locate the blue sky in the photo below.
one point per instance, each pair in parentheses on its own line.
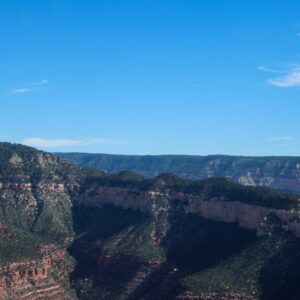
(151,76)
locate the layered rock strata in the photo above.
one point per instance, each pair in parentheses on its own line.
(216,209)
(45,278)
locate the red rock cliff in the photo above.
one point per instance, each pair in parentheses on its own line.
(46,278)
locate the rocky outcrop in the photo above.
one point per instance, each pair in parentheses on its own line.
(15,160)
(44,278)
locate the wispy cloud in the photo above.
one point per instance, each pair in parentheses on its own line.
(280,138)
(290,75)
(29,87)
(21,91)
(56,143)
(267,69)
(291,79)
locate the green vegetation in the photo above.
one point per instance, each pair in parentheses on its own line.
(231,191)
(266,269)
(33,216)
(17,244)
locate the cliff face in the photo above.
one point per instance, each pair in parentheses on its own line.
(217,209)
(282,173)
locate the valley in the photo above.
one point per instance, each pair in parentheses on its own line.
(278,172)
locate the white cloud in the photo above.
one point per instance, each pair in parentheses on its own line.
(292,79)
(56,143)
(29,87)
(269,70)
(22,91)
(280,138)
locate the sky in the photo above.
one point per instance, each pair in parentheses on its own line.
(151,76)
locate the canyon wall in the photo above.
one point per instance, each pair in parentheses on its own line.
(216,209)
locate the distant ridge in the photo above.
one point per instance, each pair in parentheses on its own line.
(278,172)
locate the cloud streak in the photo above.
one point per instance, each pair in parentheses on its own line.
(269,70)
(291,79)
(29,87)
(57,143)
(21,91)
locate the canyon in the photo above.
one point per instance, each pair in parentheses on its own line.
(68,232)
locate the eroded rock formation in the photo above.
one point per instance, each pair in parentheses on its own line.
(44,278)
